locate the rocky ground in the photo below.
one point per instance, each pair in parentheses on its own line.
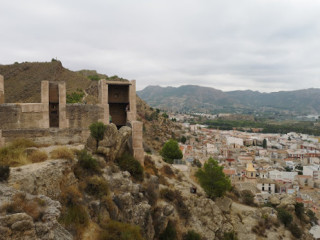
(31,202)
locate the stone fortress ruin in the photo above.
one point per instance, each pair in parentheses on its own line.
(52,121)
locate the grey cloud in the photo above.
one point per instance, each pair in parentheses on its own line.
(265,45)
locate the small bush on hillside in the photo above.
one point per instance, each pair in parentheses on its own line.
(14,154)
(94,77)
(151,193)
(177,199)
(167,171)
(97,131)
(295,230)
(23,143)
(20,204)
(312,216)
(97,186)
(230,236)
(114,230)
(38,156)
(62,153)
(212,179)
(284,216)
(167,194)
(87,165)
(4,173)
(169,233)
(75,97)
(149,166)
(247,197)
(130,164)
(299,210)
(196,163)
(171,151)
(192,235)
(70,195)
(75,216)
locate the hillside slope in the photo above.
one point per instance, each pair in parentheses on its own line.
(193,98)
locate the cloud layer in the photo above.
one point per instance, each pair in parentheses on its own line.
(265,45)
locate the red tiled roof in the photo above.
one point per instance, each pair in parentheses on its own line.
(229,171)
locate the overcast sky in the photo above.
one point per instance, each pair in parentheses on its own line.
(265,45)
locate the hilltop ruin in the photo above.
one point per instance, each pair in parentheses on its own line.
(54,121)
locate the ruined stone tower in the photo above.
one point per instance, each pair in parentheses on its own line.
(53,118)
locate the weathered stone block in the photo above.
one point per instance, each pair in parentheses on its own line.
(138,153)
(1,89)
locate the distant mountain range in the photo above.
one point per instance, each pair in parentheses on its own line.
(192,98)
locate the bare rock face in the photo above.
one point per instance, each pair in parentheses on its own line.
(113,143)
(287,203)
(43,178)
(38,222)
(224,204)
(130,203)
(206,217)
(274,200)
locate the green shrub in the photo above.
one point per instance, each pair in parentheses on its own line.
(94,77)
(192,235)
(299,210)
(75,215)
(114,230)
(167,194)
(171,151)
(183,139)
(4,173)
(75,97)
(130,164)
(87,165)
(230,236)
(212,179)
(97,186)
(284,216)
(196,163)
(97,131)
(247,197)
(169,233)
(312,216)
(295,230)
(177,199)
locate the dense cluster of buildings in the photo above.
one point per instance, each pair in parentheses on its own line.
(266,164)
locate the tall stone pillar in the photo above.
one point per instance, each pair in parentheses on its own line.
(2,140)
(103,100)
(132,114)
(1,89)
(45,104)
(63,121)
(137,141)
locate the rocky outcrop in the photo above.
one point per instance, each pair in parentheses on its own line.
(206,217)
(113,143)
(43,178)
(130,203)
(38,221)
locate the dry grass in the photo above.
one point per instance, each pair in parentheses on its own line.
(38,156)
(167,171)
(19,203)
(62,153)
(149,166)
(14,154)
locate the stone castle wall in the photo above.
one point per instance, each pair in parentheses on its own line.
(32,120)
